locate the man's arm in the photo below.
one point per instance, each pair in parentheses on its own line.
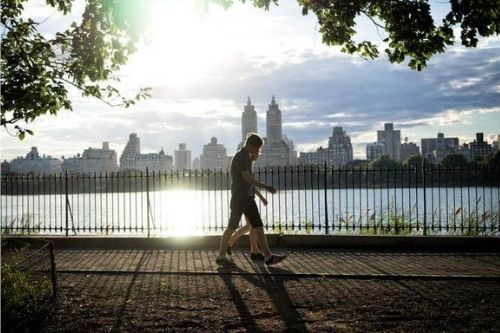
(250,180)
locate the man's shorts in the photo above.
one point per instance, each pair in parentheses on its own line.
(246,206)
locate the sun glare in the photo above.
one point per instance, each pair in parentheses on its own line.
(180,219)
(183,43)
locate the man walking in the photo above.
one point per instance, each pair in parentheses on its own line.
(243,201)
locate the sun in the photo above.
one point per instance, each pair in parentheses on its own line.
(183,44)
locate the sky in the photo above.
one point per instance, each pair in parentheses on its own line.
(203,63)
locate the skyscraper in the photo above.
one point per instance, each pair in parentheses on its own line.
(248,120)
(273,122)
(391,139)
(276,151)
(182,157)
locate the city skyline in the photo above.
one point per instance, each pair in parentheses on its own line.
(316,86)
(419,144)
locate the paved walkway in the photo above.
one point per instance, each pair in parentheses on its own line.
(328,290)
(328,263)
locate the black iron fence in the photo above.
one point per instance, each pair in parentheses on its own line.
(310,199)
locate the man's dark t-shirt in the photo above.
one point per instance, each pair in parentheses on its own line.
(242,161)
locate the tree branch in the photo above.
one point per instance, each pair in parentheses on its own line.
(377,25)
(82,89)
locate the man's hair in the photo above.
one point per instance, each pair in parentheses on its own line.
(254,140)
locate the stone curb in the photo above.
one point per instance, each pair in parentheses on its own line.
(456,243)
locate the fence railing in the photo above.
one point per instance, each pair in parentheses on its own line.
(310,199)
(29,282)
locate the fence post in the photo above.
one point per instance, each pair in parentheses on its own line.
(326,196)
(53,270)
(67,199)
(147,198)
(425,196)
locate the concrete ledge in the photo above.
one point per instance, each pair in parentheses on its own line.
(455,243)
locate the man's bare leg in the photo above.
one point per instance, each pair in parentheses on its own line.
(238,233)
(254,246)
(261,239)
(225,240)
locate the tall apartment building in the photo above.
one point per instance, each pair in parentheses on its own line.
(374,151)
(182,157)
(5,168)
(496,143)
(214,156)
(408,149)
(435,149)
(293,152)
(196,164)
(479,147)
(338,153)
(33,163)
(133,159)
(391,140)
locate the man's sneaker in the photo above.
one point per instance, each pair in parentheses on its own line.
(228,251)
(257,256)
(223,261)
(275,259)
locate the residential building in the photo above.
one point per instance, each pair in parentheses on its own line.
(133,159)
(496,143)
(435,149)
(196,164)
(293,152)
(479,147)
(93,160)
(338,153)
(214,156)
(391,140)
(5,168)
(182,157)
(35,164)
(374,151)
(408,149)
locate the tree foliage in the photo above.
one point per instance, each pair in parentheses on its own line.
(409,29)
(452,161)
(38,69)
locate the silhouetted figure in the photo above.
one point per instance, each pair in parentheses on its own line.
(243,201)
(255,253)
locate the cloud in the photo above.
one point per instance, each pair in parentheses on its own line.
(449,117)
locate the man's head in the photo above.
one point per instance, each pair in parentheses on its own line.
(253,143)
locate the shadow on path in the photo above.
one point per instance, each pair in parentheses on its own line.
(122,308)
(274,286)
